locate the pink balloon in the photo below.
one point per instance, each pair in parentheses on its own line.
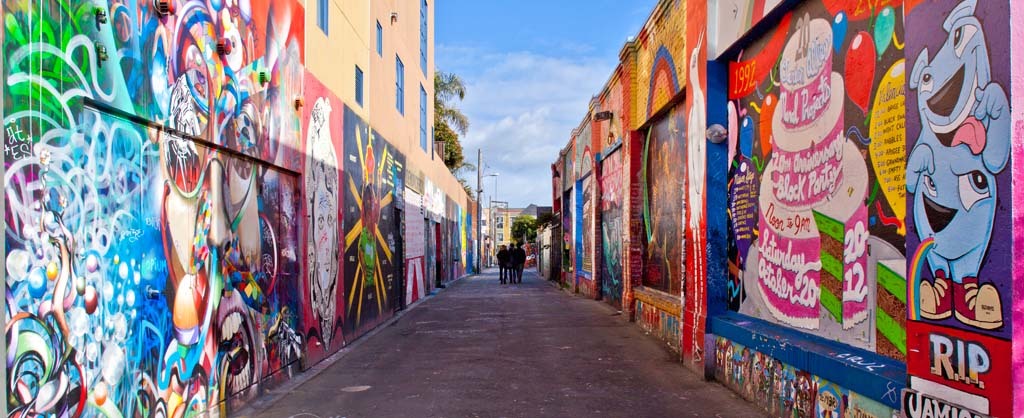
(734,128)
(860,70)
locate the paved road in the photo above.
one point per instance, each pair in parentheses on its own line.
(481,349)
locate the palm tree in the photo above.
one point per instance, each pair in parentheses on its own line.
(448,87)
(449,121)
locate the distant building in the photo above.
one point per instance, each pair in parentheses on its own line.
(501,218)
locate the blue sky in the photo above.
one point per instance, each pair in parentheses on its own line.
(530,67)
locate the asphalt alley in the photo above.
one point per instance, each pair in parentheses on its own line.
(482,349)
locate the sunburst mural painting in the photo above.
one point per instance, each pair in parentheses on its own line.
(373,185)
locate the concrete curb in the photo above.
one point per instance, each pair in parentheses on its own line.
(272,396)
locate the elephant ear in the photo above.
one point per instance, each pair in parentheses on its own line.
(919,66)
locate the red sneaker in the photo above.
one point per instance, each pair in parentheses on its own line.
(978,306)
(936,297)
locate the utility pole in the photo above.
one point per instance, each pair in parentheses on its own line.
(479,211)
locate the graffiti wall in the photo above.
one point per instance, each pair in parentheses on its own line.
(957,185)
(658,314)
(117,306)
(817,151)
(697,251)
(323,289)
(416,284)
(785,391)
(584,215)
(663,184)
(373,182)
(611,206)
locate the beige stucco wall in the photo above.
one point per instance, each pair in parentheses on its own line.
(351,41)
(333,57)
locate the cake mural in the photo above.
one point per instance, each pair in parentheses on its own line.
(816,195)
(812,222)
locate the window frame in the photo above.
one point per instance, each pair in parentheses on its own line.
(380,40)
(423,118)
(360,79)
(424,11)
(399,85)
(323,16)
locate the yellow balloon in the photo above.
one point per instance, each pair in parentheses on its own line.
(888,139)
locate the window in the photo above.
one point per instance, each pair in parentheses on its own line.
(399,85)
(501,237)
(423,36)
(321,15)
(380,39)
(359,85)
(423,118)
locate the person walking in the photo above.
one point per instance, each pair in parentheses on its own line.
(504,264)
(519,260)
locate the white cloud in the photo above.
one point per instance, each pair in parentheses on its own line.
(522,108)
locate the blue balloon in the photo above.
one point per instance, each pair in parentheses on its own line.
(37,283)
(838,30)
(747,136)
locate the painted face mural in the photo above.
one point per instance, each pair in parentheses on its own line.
(960,275)
(611,227)
(147,275)
(374,174)
(323,223)
(817,176)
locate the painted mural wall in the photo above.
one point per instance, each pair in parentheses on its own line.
(958,191)
(663,186)
(115,305)
(817,148)
(583,214)
(612,223)
(584,217)
(374,174)
(416,284)
(323,289)
(700,267)
(785,391)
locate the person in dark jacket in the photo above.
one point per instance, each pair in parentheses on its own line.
(518,260)
(504,264)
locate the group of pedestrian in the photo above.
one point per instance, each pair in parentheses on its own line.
(511,262)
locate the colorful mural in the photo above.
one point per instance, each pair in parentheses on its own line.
(816,113)
(661,64)
(656,320)
(958,127)
(374,185)
(115,305)
(785,391)
(415,241)
(663,185)
(612,250)
(584,215)
(697,251)
(323,292)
